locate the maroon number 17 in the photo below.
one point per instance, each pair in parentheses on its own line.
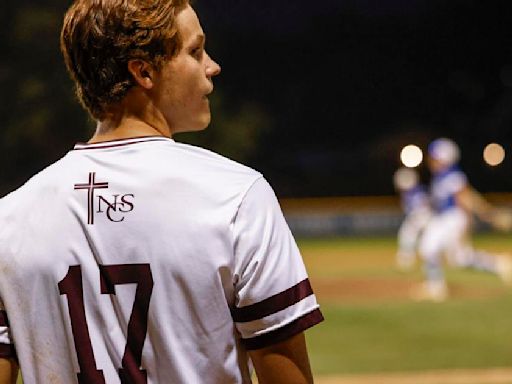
(110,276)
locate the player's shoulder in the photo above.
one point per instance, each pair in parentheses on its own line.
(451,173)
(40,184)
(202,154)
(451,181)
(457,174)
(205,161)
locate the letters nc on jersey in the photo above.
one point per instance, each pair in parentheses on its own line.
(146,261)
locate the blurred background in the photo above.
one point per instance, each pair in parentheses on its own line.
(319,97)
(322,97)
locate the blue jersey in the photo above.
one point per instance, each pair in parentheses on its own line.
(414,198)
(445,186)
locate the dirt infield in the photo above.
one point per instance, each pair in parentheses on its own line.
(483,376)
(382,289)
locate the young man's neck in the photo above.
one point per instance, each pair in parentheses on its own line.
(135,116)
(128,128)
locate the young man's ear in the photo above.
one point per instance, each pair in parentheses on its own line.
(142,72)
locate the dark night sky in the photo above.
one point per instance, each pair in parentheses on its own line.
(325,93)
(347,83)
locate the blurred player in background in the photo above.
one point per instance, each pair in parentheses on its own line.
(135,259)
(454,202)
(416,207)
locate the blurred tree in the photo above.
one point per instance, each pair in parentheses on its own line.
(317,98)
(40,117)
(235,132)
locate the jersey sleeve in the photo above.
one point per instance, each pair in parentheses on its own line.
(455,182)
(7,350)
(273,297)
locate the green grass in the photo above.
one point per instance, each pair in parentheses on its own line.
(403,335)
(415,336)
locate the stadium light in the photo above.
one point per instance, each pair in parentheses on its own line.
(411,156)
(494,154)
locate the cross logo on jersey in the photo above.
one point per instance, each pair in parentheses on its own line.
(113,206)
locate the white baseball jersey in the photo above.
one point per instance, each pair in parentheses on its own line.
(444,187)
(414,199)
(446,231)
(146,261)
(416,205)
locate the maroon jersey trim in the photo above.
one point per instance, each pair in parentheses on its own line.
(295,327)
(119,143)
(7,351)
(4,321)
(273,304)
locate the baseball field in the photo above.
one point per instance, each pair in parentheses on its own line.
(375,333)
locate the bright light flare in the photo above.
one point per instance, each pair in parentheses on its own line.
(494,154)
(411,156)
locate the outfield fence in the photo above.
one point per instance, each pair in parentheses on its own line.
(349,216)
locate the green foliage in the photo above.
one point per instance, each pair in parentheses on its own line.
(235,131)
(40,117)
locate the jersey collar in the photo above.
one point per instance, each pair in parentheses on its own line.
(121,142)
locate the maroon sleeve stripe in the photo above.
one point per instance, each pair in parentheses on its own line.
(273,304)
(284,333)
(4,321)
(7,351)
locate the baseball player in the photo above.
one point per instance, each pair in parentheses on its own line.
(135,259)
(447,234)
(416,207)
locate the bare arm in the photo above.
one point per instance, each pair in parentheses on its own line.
(8,371)
(283,363)
(473,202)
